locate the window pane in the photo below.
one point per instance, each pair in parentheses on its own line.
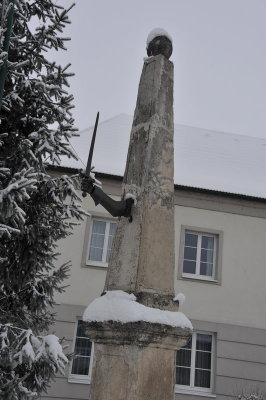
(203,360)
(189,344)
(112,228)
(206,269)
(98,226)
(183,357)
(80,365)
(97,240)
(83,347)
(108,255)
(189,267)
(191,239)
(81,329)
(95,254)
(204,342)
(110,241)
(190,253)
(81,359)
(182,376)
(202,378)
(207,242)
(206,255)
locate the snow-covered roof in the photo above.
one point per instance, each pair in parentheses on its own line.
(204,159)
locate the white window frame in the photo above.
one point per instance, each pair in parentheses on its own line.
(197,274)
(217,255)
(101,264)
(191,389)
(77,378)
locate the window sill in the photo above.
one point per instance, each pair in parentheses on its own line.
(194,392)
(199,278)
(79,379)
(95,265)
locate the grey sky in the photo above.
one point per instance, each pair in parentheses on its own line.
(219,57)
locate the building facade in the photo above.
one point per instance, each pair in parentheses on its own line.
(220,267)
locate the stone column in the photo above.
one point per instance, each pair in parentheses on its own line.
(142,258)
(136,361)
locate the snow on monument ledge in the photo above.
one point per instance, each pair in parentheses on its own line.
(120,306)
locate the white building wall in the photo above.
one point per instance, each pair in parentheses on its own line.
(85,282)
(241,297)
(238,300)
(234,311)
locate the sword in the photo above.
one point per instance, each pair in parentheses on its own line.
(88,167)
(116,208)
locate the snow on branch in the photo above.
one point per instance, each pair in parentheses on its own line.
(16,192)
(36,209)
(20,346)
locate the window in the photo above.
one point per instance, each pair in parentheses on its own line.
(100,242)
(81,362)
(200,255)
(194,364)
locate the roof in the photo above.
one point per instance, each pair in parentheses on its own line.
(204,159)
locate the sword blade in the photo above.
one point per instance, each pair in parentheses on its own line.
(88,168)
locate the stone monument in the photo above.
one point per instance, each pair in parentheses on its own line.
(134,358)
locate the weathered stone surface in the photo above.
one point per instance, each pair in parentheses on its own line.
(132,373)
(136,361)
(155,300)
(142,258)
(139,333)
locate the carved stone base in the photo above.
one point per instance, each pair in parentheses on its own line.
(132,373)
(139,333)
(134,361)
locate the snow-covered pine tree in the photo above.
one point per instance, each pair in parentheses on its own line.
(35,209)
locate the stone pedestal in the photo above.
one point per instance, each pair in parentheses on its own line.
(130,372)
(136,361)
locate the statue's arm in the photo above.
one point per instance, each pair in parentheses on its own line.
(120,208)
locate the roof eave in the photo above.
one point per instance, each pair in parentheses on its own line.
(102,175)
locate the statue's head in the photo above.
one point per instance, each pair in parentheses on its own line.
(159,42)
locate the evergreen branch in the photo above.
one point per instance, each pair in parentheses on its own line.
(36,210)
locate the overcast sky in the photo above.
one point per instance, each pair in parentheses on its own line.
(219,57)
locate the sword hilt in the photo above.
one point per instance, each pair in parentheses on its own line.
(87,184)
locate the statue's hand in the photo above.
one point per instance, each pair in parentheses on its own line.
(87,185)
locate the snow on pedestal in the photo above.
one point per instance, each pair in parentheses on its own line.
(122,307)
(181,298)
